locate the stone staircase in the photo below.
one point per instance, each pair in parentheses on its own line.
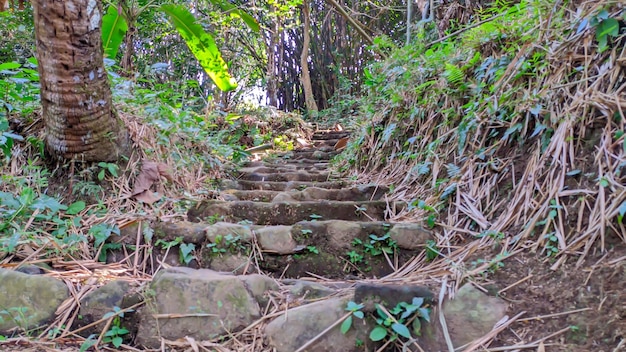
(276,259)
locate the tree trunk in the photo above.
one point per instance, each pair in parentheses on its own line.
(309,99)
(75,93)
(272,74)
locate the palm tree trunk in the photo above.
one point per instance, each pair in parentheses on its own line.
(75,93)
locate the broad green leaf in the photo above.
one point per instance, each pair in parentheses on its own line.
(345,326)
(187,248)
(401,330)
(114,28)
(609,26)
(9,66)
(75,208)
(202,45)
(46,202)
(417,327)
(424,313)
(233,11)
(378,333)
(9,200)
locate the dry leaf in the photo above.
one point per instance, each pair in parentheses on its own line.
(341,143)
(147,197)
(541,347)
(151,172)
(302,142)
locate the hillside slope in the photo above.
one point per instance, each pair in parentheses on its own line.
(508,140)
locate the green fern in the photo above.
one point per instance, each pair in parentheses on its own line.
(453,75)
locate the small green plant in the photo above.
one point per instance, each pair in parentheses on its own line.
(168,244)
(377,245)
(104,167)
(606,28)
(431,212)
(392,324)
(315,217)
(115,335)
(101,233)
(17,315)
(355,310)
(432,251)
(355,257)
(186,252)
(306,232)
(227,243)
(313,249)
(215,218)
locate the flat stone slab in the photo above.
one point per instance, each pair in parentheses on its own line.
(304,176)
(330,135)
(289,213)
(359,194)
(286,186)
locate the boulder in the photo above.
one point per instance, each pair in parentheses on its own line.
(291,331)
(28,301)
(201,304)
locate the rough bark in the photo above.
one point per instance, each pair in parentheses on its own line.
(75,93)
(309,99)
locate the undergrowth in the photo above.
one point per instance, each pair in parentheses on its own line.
(513,126)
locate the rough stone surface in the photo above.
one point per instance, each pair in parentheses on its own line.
(189,231)
(472,314)
(276,239)
(201,304)
(283,197)
(289,332)
(410,236)
(30,269)
(259,286)
(100,302)
(310,290)
(30,300)
(224,228)
(229,184)
(341,233)
(232,263)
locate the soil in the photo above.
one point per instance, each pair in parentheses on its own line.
(594,294)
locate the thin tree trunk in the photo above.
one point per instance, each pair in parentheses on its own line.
(75,93)
(309,99)
(129,50)
(272,74)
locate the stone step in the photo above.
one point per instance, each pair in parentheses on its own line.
(284,166)
(325,142)
(281,168)
(336,236)
(283,186)
(358,193)
(316,155)
(329,135)
(285,176)
(289,213)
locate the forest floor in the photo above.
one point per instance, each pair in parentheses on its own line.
(568,307)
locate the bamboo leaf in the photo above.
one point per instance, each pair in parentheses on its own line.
(202,45)
(114,28)
(233,11)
